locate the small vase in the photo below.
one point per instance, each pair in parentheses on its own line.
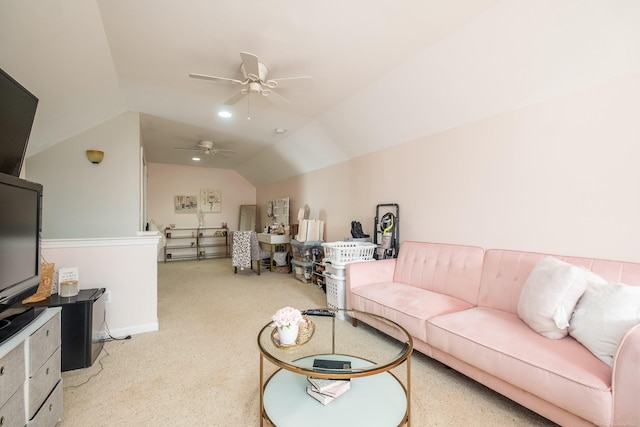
(288,334)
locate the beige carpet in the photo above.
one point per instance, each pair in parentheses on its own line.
(202,367)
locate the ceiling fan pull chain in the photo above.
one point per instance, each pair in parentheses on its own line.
(249,106)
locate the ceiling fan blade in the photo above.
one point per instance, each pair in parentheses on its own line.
(217,79)
(277,99)
(235,98)
(251,65)
(222,154)
(222,150)
(285,80)
(186,149)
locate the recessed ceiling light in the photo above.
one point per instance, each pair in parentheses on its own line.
(197,159)
(224,114)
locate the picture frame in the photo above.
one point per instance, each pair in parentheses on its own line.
(185,204)
(210,200)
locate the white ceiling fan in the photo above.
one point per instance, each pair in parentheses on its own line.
(254,80)
(207,147)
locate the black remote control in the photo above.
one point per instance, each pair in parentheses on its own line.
(319,312)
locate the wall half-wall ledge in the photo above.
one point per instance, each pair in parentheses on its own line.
(143,238)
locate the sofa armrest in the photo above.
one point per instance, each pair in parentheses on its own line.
(626,380)
(365,273)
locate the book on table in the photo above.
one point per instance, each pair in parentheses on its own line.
(327,385)
(329,394)
(326,390)
(330,364)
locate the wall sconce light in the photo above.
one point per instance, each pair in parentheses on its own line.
(95,156)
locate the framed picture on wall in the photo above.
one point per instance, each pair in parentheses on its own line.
(210,200)
(186,204)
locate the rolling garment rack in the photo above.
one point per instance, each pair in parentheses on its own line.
(386,230)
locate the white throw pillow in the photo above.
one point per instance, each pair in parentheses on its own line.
(549,296)
(603,316)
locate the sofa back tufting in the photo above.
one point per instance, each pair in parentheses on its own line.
(446,269)
(505,272)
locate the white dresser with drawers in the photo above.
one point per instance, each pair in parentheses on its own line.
(30,380)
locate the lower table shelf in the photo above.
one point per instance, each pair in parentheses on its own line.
(375,400)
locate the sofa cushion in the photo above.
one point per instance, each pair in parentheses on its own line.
(549,296)
(499,343)
(452,270)
(406,305)
(604,314)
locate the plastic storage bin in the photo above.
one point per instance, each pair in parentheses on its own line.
(306,251)
(302,271)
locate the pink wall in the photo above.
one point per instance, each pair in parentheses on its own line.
(126,267)
(561,177)
(167,181)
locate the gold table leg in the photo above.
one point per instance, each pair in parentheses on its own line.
(261,391)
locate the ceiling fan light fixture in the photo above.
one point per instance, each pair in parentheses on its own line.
(255,87)
(280,131)
(224,114)
(195,159)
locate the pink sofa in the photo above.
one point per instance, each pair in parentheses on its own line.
(459,303)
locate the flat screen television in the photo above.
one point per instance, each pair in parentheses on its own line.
(20,226)
(17,111)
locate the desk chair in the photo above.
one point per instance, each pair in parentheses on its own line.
(246,249)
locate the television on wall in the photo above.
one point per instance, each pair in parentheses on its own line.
(17,112)
(20,226)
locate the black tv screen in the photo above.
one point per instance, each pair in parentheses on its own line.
(17,111)
(20,222)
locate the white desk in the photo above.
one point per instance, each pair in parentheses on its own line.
(273,240)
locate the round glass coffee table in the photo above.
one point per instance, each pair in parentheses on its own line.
(373,348)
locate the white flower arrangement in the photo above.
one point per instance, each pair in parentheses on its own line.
(286,317)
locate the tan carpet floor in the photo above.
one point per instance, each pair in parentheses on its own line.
(201,368)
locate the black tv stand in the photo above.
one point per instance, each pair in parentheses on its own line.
(83,326)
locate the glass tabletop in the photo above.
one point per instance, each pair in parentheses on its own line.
(379,343)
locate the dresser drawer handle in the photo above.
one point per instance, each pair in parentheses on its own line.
(1,370)
(47,372)
(2,421)
(50,407)
(47,332)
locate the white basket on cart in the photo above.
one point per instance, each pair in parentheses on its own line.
(341,253)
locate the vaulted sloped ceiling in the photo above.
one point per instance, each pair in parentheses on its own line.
(383,72)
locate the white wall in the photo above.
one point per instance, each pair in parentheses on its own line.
(558,177)
(91,218)
(82,199)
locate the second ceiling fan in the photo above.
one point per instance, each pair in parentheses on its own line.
(208,148)
(254,80)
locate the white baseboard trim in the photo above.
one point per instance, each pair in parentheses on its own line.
(133,330)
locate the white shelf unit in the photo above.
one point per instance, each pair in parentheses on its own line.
(213,243)
(196,243)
